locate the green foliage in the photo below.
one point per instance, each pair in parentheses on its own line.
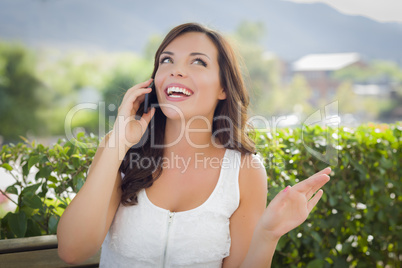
(45,180)
(358,222)
(371,107)
(30,88)
(348,101)
(378,70)
(298,94)
(247,37)
(131,71)
(20,91)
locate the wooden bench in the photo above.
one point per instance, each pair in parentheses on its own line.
(39,251)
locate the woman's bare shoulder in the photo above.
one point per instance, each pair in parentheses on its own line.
(252,175)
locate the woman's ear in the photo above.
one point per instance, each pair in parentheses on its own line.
(222,94)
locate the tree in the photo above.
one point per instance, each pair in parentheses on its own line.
(129,70)
(378,72)
(21,93)
(260,70)
(347,99)
(298,95)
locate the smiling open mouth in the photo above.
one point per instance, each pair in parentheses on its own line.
(177,92)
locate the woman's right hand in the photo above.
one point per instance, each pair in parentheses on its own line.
(127,128)
(291,207)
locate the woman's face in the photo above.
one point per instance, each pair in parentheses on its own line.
(188,77)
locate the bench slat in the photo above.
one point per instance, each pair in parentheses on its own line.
(41,258)
(28,243)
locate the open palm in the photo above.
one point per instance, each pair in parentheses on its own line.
(291,207)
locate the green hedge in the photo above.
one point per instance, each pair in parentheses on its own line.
(45,180)
(358,222)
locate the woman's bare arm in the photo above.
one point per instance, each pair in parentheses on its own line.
(84,224)
(87,219)
(253,201)
(255,232)
(285,212)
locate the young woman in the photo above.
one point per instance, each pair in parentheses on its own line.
(185,188)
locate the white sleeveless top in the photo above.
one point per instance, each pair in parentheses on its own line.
(145,235)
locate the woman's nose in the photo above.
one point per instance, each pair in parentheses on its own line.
(177,71)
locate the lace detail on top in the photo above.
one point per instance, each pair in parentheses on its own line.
(146,235)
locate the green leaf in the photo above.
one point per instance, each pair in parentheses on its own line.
(386,163)
(58,147)
(66,151)
(44,189)
(32,229)
(329,260)
(25,170)
(44,172)
(65,202)
(6,166)
(340,262)
(381,216)
(41,148)
(12,190)
(80,183)
(32,161)
(316,236)
(17,222)
(52,225)
(281,244)
(333,200)
(24,139)
(32,201)
(30,190)
(43,159)
(346,248)
(52,179)
(62,206)
(358,167)
(316,264)
(80,135)
(71,167)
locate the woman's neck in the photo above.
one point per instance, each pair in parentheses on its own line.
(189,137)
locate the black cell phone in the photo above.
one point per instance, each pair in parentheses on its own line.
(147,104)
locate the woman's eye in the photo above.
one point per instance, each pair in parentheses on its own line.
(166,60)
(200,62)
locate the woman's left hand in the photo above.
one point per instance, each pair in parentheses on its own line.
(292,205)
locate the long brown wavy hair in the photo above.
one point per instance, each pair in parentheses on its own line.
(234,108)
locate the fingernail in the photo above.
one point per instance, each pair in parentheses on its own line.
(286,189)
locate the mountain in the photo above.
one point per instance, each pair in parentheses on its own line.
(293,29)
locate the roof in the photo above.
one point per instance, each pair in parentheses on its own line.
(371,89)
(325,62)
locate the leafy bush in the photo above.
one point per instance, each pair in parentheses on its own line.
(358,222)
(45,180)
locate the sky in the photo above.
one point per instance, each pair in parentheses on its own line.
(380,10)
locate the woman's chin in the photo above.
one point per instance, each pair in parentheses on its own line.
(173,112)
